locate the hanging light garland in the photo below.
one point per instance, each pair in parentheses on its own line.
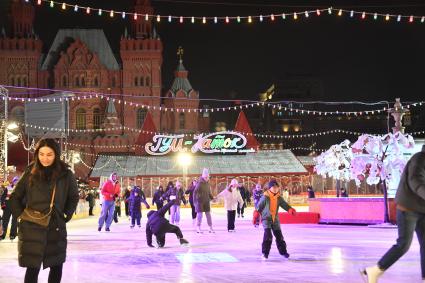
(277,105)
(270,136)
(235,19)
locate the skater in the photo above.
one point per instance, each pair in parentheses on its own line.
(110,190)
(7,212)
(232,198)
(90,199)
(410,200)
(157,225)
(117,209)
(201,198)
(310,192)
(189,192)
(157,198)
(245,196)
(125,195)
(46,180)
(257,193)
(137,196)
(177,194)
(268,207)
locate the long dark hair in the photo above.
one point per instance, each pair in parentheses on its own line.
(38,171)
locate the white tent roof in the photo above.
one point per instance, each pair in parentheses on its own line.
(267,162)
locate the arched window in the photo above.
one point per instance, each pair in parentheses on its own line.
(181,121)
(64,81)
(80,119)
(77,81)
(18,114)
(12,81)
(114,82)
(97,118)
(136,82)
(19,81)
(141,115)
(96,81)
(142,82)
(24,81)
(83,82)
(148,81)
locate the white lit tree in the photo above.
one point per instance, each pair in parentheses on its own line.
(380,159)
(335,162)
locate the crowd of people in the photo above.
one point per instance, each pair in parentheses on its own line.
(45,198)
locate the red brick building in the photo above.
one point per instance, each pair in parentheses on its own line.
(82,60)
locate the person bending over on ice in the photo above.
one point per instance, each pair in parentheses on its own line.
(268,207)
(159,226)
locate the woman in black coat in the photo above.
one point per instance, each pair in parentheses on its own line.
(37,244)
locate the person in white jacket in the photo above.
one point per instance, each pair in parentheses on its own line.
(231,198)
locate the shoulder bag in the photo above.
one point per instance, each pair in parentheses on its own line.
(37,217)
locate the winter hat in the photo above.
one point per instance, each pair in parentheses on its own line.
(205,173)
(113,173)
(234,182)
(258,187)
(272,183)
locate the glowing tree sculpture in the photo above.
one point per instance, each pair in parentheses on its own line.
(380,160)
(335,162)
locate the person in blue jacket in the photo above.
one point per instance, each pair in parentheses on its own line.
(135,205)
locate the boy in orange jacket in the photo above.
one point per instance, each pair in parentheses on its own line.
(268,207)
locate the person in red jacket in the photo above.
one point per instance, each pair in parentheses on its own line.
(110,190)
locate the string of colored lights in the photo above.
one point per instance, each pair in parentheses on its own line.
(279,105)
(234,19)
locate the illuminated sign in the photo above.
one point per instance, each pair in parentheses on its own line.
(219,142)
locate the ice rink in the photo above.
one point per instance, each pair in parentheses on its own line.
(319,253)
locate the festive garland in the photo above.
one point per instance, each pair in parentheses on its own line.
(279,105)
(234,19)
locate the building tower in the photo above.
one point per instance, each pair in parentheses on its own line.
(141,55)
(183,100)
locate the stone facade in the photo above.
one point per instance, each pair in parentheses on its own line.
(81,60)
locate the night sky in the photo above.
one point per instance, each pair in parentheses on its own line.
(351,59)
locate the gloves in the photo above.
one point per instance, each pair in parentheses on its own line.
(148,206)
(292,211)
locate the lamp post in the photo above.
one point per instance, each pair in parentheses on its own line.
(184,160)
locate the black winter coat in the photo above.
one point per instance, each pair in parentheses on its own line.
(202,196)
(37,244)
(157,198)
(157,224)
(177,193)
(411,189)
